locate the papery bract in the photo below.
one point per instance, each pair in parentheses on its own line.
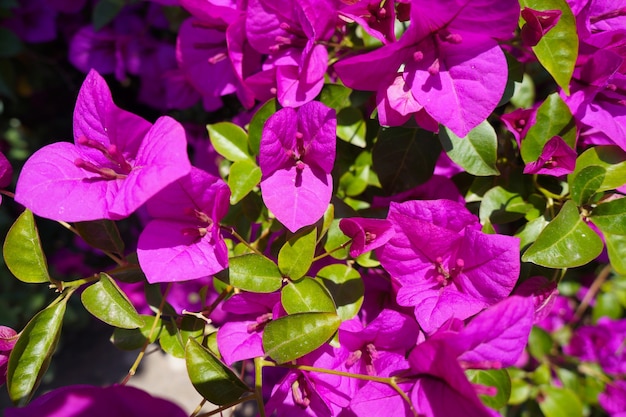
(445,266)
(556,159)
(296,157)
(117,163)
(91,401)
(367,234)
(8,338)
(183,240)
(538,23)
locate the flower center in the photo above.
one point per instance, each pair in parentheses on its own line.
(444,276)
(295,38)
(119,169)
(261,321)
(203,221)
(301,392)
(368,354)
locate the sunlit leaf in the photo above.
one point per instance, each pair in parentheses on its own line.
(22,250)
(306,295)
(296,255)
(477,153)
(106,301)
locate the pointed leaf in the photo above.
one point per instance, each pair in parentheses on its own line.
(586,183)
(351,127)
(404,158)
(291,337)
(560,402)
(611,158)
(255,273)
(22,250)
(101,234)
(476,153)
(106,301)
(496,378)
(210,377)
(554,118)
(558,49)
(306,295)
(346,287)
(32,352)
(242,178)
(131,339)
(616,247)
(255,129)
(335,240)
(566,242)
(335,96)
(230,141)
(296,255)
(610,217)
(502,206)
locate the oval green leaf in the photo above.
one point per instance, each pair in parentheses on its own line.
(335,96)
(243,177)
(502,206)
(351,127)
(477,153)
(255,273)
(291,337)
(560,402)
(616,248)
(554,118)
(566,242)
(101,234)
(230,141)
(296,255)
(404,158)
(22,250)
(106,301)
(210,377)
(345,285)
(497,378)
(611,158)
(610,217)
(174,336)
(586,183)
(255,129)
(306,295)
(33,350)
(335,240)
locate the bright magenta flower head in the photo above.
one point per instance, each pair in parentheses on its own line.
(117,162)
(183,241)
(296,157)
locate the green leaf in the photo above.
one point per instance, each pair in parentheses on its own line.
(611,158)
(106,301)
(33,351)
(404,158)
(10,43)
(586,183)
(497,378)
(105,11)
(477,153)
(335,96)
(101,234)
(557,50)
(306,295)
(559,402)
(540,343)
(230,141)
(610,217)
(354,183)
(335,240)
(296,255)
(554,118)
(210,377)
(345,286)
(531,231)
(607,305)
(255,129)
(131,339)
(616,247)
(255,273)
(293,336)
(351,126)
(174,339)
(243,177)
(22,250)
(566,242)
(502,206)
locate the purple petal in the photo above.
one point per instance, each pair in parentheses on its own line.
(6,171)
(498,334)
(52,186)
(297,198)
(167,254)
(366,234)
(557,158)
(538,23)
(278,139)
(161,160)
(237,343)
(8,338)
(318,125)
(543,292)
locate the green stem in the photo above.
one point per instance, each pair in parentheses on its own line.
(227,406)
(325,254)
(258,384)
(141,354)
(111,255)
(195,412)
(78,282)
(242,240)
